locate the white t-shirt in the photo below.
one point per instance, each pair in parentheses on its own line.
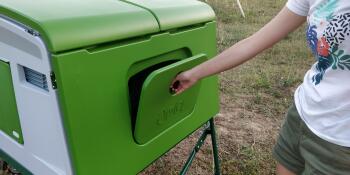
(323,99)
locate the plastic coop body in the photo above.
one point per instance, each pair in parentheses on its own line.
(84,84)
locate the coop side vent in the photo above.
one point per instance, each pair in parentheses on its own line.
(36,78)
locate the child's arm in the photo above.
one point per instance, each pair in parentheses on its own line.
(278,28)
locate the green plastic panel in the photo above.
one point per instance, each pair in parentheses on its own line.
(94,98)
(66,24)
(9,119)
(174,14)
(158,108)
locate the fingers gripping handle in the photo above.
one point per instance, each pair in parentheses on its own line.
(174,87)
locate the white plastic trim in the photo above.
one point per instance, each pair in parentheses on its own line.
(45,149)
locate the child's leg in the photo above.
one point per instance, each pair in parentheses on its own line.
(286,150)
(281,170)
(300,151)
(322,157)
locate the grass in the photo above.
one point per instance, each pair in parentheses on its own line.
(254,96)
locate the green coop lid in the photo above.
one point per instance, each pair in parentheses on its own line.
(177,13)
(72,24)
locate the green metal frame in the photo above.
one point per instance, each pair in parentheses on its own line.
(209,130)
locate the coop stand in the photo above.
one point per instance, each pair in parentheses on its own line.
(209,130)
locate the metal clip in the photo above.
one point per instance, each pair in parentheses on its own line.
(33,32)
(53,80)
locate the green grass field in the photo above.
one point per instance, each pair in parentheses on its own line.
(254,96)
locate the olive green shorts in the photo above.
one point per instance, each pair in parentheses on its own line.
(302,152)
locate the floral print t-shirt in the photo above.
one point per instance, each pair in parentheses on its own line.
(323,99)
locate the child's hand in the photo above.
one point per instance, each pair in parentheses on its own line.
(182,82)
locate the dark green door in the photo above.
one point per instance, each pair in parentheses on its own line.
(9,119)
(158,108)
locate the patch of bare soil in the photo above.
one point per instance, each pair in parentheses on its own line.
(242,136)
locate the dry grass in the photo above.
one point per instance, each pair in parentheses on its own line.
(254,96)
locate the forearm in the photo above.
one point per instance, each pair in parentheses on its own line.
(278,28)
(230,58)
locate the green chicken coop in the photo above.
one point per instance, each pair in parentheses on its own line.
(84,84)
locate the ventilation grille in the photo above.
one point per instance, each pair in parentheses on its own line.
(36,78)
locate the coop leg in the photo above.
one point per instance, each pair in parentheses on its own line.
(210,130)
(215,147)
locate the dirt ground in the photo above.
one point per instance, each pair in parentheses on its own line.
(244,139)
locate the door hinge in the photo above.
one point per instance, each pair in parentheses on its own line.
(33,32)
(53,80)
